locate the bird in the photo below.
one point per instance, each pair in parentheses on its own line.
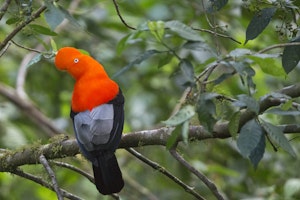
(97,113)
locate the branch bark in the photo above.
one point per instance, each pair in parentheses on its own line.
(43,183)
(64,147)
(52,176)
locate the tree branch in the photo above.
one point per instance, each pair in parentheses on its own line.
(52,176)
(43,183)
(213,188)
(75,169)
(22,25)
(63,147)
(216,34)
(30,154)
(279,46)
(120,16)
(165,172)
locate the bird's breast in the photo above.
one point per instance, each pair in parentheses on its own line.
(89,94)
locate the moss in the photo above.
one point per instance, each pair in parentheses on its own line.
(56,146)
(58,138)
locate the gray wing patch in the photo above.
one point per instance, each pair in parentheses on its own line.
(93,128)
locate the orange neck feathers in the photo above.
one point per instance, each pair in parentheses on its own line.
(93,87)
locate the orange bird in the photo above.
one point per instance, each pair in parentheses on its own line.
(97,112)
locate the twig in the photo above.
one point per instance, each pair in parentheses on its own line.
(203,6)
(22,25)
(4,7)
(75,169)
(213,188)
(181,101)
(165,172)
(217,34)
(120,16)
(43,183)
(51,173)
(26,48)
(79,171)
(2,51)
(279,46)
(207,72)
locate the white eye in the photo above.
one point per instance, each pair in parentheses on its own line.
(76,60)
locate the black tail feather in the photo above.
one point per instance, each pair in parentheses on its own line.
(108,176)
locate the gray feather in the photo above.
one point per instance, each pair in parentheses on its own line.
(93,128)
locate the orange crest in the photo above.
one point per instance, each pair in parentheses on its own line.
(93,87)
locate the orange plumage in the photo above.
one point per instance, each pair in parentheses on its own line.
(89,75)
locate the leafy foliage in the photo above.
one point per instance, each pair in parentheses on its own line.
(291,56)
(251,142)
(182,57)
(259,22)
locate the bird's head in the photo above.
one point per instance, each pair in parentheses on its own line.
(74,62)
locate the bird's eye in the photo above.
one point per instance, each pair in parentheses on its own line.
(76,60)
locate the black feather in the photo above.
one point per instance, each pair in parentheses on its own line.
(107,174)
(108,177)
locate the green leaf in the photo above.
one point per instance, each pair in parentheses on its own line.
(199,46)
(259,22)
(222,78)
(138,60)
(249,102)
(53,15)
(245,71)
(122,43)
(216,5)
(269,64)
(13,20)
(257,153)
(34,60)
(128,39)
(172,139)
(282,112)
(239,52)
(206,110)
(163,60)
(84,52)
(181,118)
(287,105)
(187,70)
(291,56)
(183,115)
(185,131)
(68,16)
(251,142)
(276,134)
(183,30)
(157,29)
(53,45)
(42,30)
(233,125)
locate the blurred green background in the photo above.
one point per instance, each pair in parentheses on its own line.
(152,89)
